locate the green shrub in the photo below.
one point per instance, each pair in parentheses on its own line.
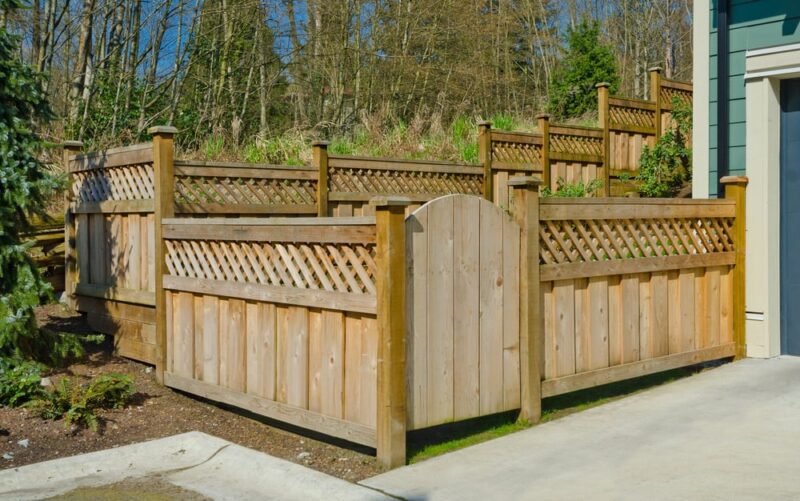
(78,404)
(253,154)
(503,122)
(20,383)
(586,62)
(573,190)
(667,167)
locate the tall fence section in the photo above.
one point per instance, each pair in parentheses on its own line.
(363,298)
(608,153)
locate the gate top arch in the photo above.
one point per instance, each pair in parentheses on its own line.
(463,279)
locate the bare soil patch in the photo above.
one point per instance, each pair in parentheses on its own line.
(158,412)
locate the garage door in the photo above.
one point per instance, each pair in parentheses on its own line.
(790,217)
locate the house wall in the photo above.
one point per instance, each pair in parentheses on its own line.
(763,42)
(754,24)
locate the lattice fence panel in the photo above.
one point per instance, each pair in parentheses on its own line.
(237,190)
(400,182)
(129,182)
(569,143)
(667,93)
(638,117)
(576,241)
(332,267)
(517,153)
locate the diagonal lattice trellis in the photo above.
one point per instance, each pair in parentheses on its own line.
(576,241)
(638,117)
(238,190)
(129,182)
(332,267)
(401,182)
(568,143)
(668,93)
(517,153)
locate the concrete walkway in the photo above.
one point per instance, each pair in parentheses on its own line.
(194,465)
(729,433)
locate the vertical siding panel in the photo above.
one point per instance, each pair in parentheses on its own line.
(660,316)
(630,320)
(564,299)
(211,339)
(615,315)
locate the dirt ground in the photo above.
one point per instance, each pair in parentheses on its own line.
(157,412)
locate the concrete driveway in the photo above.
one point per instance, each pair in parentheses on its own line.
(728,433)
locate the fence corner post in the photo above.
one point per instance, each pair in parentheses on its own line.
(391,312)
(655,96)
(735,189)
(164,207)
(70,231)
(485,157)
(543,124)
(320,159)
(605,122)
(525,209)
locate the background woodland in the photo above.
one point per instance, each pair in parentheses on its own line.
(257,79)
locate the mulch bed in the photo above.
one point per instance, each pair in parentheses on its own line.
(158,412)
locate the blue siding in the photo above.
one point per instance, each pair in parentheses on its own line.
(754,24)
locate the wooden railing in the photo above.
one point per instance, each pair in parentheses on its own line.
(609,153)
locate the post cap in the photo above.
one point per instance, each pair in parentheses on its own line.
(657,69)
(530,181)
(72,145)
(162,129)
(543,116)
(321,144)
(390,201)
(735,180)
(602,85)
(484,123)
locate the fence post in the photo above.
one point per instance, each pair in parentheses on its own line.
(735,187)
(655,96)
(525,208)
(164,207)
(391,296)
(485,157)
(604,122)
(543,124)
(320,156)
(70,234)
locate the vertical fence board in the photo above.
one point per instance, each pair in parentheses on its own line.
(660,313)
(686,284)
(211,339)
(440,312)
(511,283)
(598,322)
(564,306)
(713,316)
(701,310)
(466,325)
(417,316)
(615,340)
(491,318)
(197,337)
(183,329)
(630,318)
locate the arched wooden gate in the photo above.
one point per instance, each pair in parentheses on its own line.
(463,308)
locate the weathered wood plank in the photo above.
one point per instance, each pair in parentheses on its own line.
(353,432)
(599,377)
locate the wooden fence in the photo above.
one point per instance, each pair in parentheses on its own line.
(609,153)
(364,328)
(382,314)
(47,251)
